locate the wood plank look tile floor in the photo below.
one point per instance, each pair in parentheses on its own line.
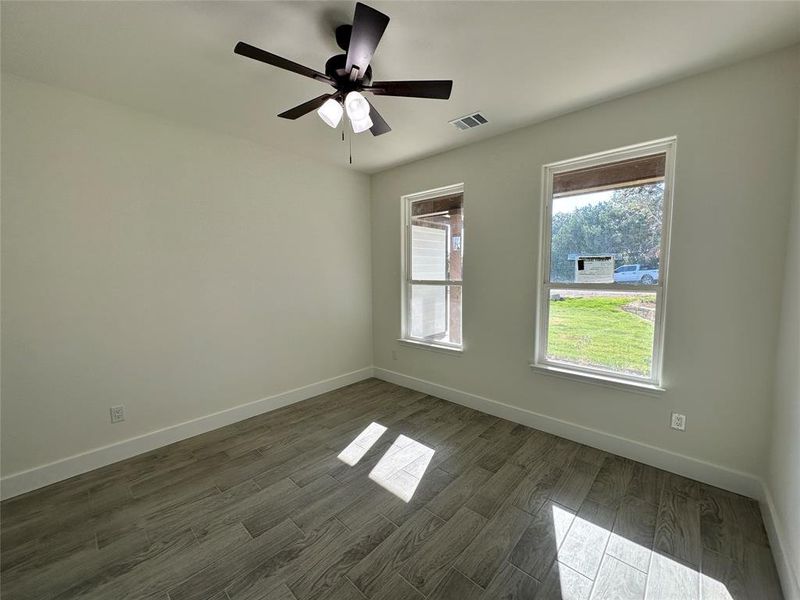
(376,491)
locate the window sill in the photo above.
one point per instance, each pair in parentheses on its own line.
(607,381)
(433,347)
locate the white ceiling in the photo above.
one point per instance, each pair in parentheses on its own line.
(517,62)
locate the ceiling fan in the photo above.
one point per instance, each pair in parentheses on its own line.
(350,74)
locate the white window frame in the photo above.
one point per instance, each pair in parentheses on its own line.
(407,281)
(655,381)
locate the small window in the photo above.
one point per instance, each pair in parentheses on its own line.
(604,259)
(432,270)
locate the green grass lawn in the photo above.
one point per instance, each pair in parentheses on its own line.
(595,331)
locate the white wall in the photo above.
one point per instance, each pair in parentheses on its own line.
(172,270)
(784,467)
(736,131)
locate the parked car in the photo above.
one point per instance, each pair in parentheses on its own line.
(635,274)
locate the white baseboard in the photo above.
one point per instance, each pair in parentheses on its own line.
(782,551)
(25,481)
(717,475)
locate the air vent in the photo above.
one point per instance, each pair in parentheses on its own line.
(469,121)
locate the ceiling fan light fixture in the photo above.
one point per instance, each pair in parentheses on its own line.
(360,125)
(331,112)
(357,107)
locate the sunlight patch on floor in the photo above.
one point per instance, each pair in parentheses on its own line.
(588,552)
(363,442)
(402,467)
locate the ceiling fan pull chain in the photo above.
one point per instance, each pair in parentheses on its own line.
(351,149)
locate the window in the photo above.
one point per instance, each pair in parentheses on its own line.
(605,245)
(432,269)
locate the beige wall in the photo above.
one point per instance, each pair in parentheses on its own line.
(168,269)
(736,131)
(784,468)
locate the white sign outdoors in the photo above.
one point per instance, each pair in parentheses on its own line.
(594,269)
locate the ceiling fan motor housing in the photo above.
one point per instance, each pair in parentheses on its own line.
(336,68)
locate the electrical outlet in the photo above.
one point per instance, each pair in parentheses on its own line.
(117,414)
(678,422)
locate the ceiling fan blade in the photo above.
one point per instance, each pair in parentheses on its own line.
(379,124)
(368,28)
(439,89)
(249,51)
(305,107)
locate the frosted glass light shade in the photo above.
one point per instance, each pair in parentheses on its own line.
(360,125)
(331,112)
(357,106)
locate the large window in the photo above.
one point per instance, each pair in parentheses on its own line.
(432,269)
(605,244)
